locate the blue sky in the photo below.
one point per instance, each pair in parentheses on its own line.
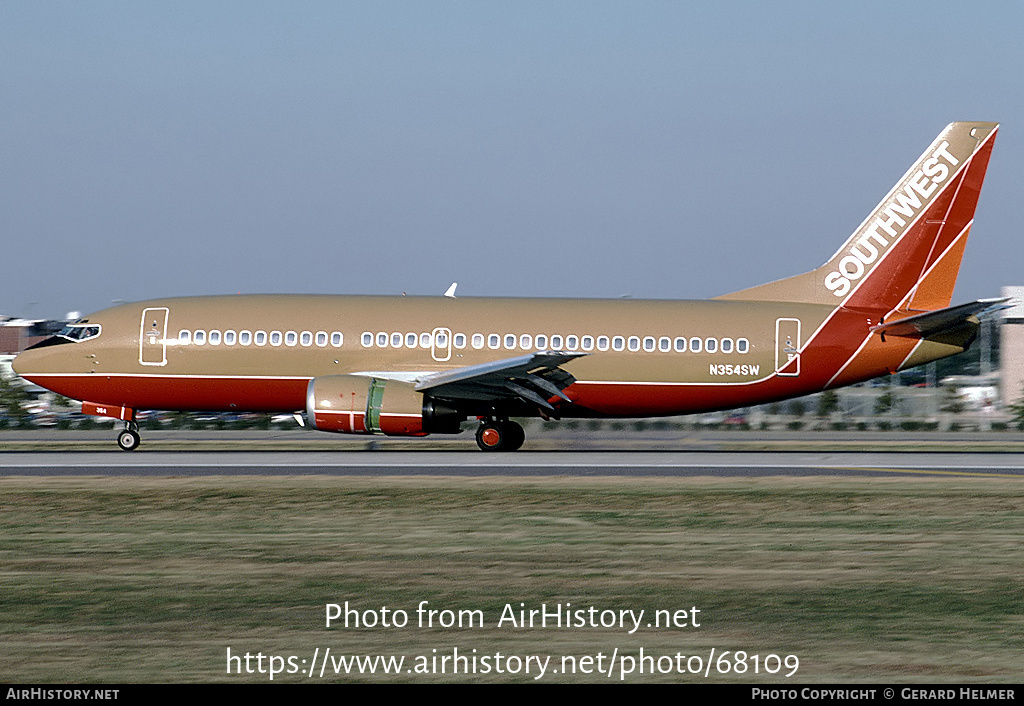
(593,149)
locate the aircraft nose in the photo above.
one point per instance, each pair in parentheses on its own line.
(21,364)
(28,362)
(42,357)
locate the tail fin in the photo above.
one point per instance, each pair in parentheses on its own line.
(906,254)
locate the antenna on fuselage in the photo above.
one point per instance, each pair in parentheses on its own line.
(451,290)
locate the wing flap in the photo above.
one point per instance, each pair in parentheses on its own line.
(534,378)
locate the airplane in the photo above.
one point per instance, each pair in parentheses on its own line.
(412,366)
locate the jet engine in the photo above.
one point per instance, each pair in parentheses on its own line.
(354,404)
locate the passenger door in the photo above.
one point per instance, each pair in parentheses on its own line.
(153,336)
(787,347)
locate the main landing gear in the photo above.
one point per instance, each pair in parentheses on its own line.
(129,439)
(499,435)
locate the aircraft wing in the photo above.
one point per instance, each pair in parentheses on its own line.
(535,378)
(933,322)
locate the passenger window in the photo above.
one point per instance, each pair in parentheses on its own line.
(426,340)
(587,343)
(542,342)
(634,343)
(199,337)
(602,343)
(260,339)
(711,345)
(410,340)
(275,338)
(478,340)
(648,343)
(245,337)
(367,339)
(727,345)
(337,339)
(556,342)
(396,340)
(493,341)
(321,338)
(695,345)
(184,337)
(572,342)
(618,343)
(526,341)
(664,344)
(229,338)
(291,338)
(680,345)
(459,340)
(510,341)
(306,338)
(382,340)
(742,345)
(214,338)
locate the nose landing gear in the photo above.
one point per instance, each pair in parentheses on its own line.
(129,439)
(499,435)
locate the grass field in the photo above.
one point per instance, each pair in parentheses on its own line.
(863,579)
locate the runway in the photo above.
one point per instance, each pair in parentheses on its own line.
(523,463)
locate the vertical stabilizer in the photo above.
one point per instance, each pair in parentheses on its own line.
(906,254)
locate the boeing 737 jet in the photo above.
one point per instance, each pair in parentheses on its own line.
(412,366)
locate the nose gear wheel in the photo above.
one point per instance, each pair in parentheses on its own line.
(129,439)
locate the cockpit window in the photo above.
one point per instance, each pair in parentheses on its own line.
(79,332)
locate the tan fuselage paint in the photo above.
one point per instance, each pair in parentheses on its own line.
(116,357)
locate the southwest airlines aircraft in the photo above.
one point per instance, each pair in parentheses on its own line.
(411,366)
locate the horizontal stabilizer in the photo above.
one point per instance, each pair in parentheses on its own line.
(934,322)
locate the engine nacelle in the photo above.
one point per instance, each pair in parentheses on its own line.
(353,404)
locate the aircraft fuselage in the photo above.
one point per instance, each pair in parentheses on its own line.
(259,352)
